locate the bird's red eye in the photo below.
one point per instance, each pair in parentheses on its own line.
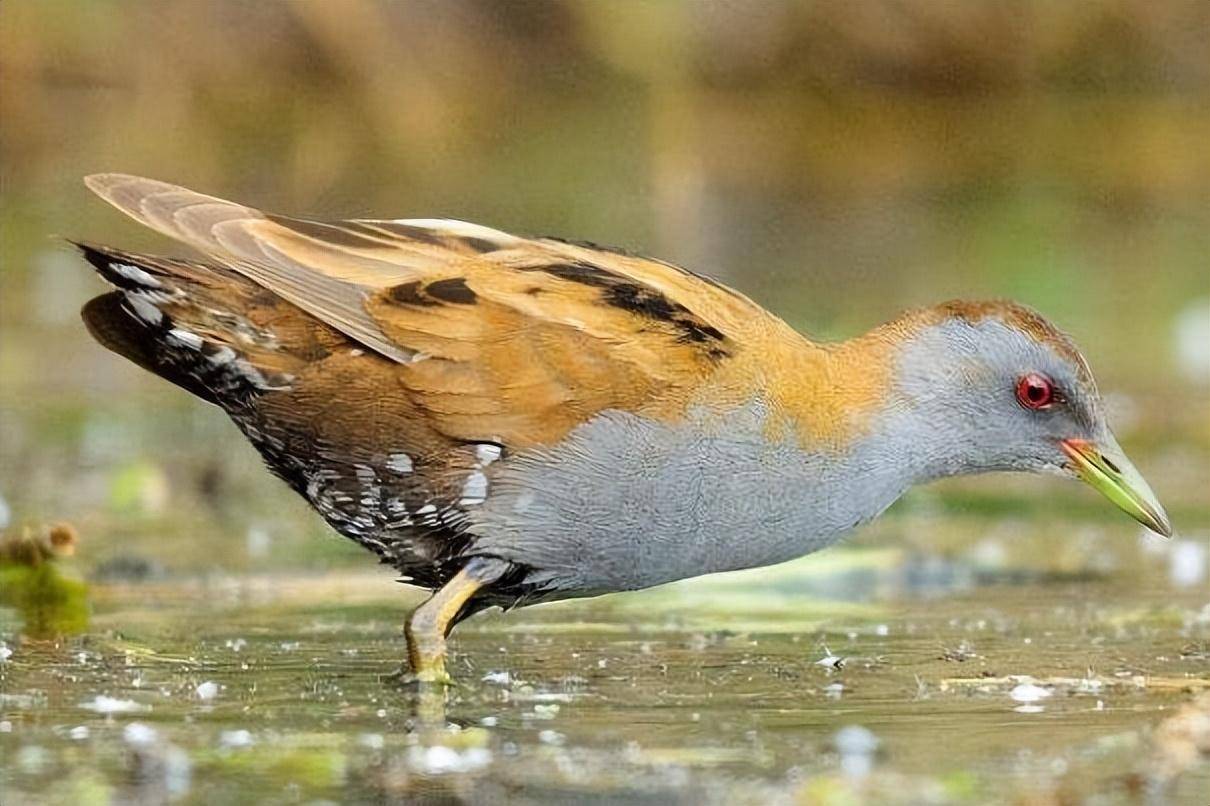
(1035,391)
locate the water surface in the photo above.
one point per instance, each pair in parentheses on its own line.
(929,682)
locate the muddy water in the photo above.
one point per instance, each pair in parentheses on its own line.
(928,683)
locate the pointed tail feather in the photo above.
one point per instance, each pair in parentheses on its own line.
(186,322)
(110,323)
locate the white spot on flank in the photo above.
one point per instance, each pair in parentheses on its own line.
(222,355)
(251,373)
(143,309)
(157,297)
(254,377)
(185,338)
(427,509)
(487,453)
(399,463)
(136,275)
(475,489)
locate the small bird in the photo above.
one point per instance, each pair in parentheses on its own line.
(511,420)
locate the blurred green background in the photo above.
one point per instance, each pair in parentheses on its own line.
(837,161)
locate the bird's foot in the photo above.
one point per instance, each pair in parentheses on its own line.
(429,623)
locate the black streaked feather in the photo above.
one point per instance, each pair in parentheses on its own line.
(111,324)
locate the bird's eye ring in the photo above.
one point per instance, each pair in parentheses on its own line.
(1035,391)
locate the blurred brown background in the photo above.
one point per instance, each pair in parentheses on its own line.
(838,161)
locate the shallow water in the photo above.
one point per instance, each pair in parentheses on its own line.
(998,640)
(935,683)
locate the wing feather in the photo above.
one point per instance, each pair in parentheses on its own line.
(496,336)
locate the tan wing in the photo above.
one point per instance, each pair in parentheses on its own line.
(497,337)
(273,256)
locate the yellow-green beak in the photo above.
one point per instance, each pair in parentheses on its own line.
(1106,469)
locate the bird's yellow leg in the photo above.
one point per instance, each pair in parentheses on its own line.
(429,623)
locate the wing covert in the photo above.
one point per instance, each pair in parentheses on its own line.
(496,337)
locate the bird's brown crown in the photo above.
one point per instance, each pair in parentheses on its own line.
(1015,315)
(1012,314)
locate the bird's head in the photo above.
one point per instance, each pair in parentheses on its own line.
(994,386)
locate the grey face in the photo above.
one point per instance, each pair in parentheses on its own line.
(983,396)
(967,389)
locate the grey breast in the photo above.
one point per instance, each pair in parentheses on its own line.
(628,502)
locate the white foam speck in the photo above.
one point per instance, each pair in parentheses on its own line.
(830,661)
(1028,693)
(440,759)
(550,737)
(236,738)
(857,747)
(1187,563)
(207,690)
(102,704)
(139,734)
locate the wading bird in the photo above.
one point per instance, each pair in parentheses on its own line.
(511,420)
